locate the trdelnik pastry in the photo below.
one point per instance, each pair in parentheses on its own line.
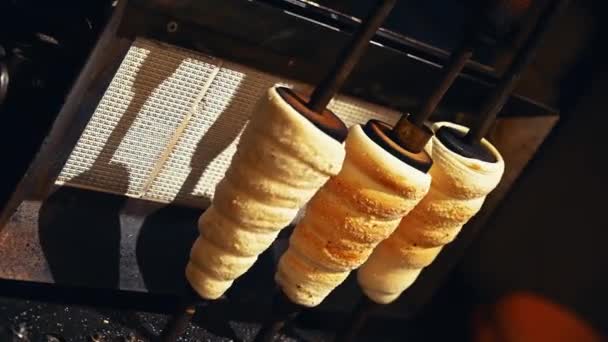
(347,218)
(459,188)
(282,159)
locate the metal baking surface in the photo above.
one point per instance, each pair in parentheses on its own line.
(168,124)
(94,240)
(42,321)
(291,47)
(109,250)
(79,240)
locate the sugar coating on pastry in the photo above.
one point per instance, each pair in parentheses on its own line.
(458,190)
(347,218)
(282,159)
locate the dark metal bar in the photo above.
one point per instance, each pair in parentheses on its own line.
(488,26)
(410,131)
(228,31)
(356,321)
(186,308)
(269,330)
(349,57)
(72,120)
(500,95)
(283,312)
(450,72)
(178,323)
(4,80)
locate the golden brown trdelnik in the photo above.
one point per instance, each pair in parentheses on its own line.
(282,159)
(459,188)
(347,218)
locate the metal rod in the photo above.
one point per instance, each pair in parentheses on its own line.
(270,329)
(458,59)
(410,131)
(178,323)
(186,306)
(500,94)
(283,312)
(349,56)
(356,321)
(491,24)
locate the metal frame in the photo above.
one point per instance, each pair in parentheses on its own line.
(213,31)
(73,117)
(211,26)
(292,44)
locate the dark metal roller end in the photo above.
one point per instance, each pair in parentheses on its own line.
(283,312)
(357,320)
(456,141)
(327,121)
(380,133)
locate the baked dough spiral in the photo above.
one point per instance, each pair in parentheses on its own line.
(281,160)
(458,190)
(347,218)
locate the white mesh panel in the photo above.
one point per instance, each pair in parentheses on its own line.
(208,143)
(153,90)
(180,114)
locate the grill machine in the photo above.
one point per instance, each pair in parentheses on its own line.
(227,33)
